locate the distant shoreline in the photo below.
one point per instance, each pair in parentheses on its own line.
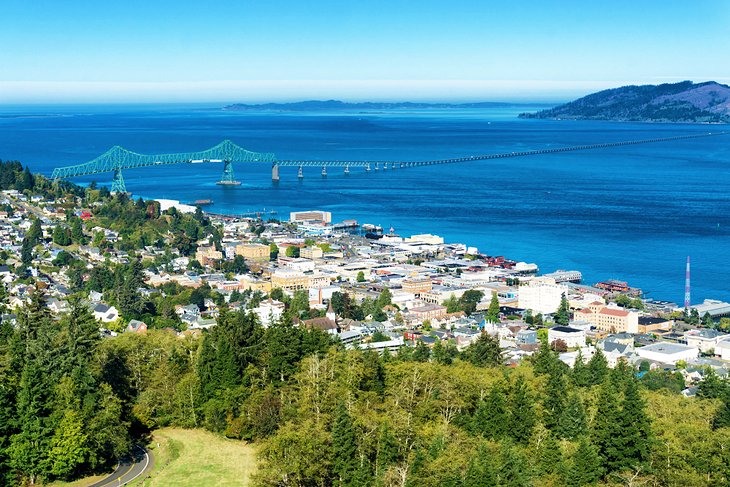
(317,105)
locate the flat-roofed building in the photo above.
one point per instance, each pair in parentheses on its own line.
(573,337)
(714,307)
(426,312)
(417,284)
(648,324)
(254,252)
(208,255)
(311,252)
(668,353)
(311,215)
(296,280)
(541,295)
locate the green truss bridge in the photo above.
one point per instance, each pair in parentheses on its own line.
(118,158)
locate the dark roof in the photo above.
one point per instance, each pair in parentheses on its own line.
(650,320)
(101,308)
(566,329)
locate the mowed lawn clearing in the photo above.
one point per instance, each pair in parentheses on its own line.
(198,458)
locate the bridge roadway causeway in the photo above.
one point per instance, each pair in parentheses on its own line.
(553,150)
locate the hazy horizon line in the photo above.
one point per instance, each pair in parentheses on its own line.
(287,91)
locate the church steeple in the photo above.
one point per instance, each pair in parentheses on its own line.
(331,313)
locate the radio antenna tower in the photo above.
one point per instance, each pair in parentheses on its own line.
(686,287)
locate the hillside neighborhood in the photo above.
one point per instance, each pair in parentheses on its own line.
(381,293)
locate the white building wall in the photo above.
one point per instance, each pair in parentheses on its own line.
(541,296)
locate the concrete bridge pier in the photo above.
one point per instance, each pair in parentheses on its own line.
(324,171)
(347,169)
(367,168)
(376,166)
(300,174)
(275,173)
(385,166)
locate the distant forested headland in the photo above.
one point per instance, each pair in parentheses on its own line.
(707,102)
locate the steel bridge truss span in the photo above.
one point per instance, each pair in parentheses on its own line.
(118,158)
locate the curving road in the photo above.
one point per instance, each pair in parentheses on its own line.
(128,469)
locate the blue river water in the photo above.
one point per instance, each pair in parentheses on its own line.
(634,213)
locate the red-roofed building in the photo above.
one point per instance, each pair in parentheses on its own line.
(610,319)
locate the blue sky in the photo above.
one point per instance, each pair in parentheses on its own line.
(95,51)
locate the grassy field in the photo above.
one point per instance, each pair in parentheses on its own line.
(198,458)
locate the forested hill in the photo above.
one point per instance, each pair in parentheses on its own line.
(677,102)
(314,105)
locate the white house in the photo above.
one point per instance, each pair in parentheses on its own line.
(705,339)
(668,353)
(269,311)
(105,313)
(573,337)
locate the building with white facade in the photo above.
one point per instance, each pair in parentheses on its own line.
(269,311)
(573,337)
(541,295)
(668,353)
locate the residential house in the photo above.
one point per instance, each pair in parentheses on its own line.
(705,340)
(105,313)
(136,326)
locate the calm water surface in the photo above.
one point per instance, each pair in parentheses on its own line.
(633,213)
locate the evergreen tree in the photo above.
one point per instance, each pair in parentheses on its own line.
(554,401)
(550,456)
(635,430)
(283,344)
(480,471)
(387,452)
(35,233)
(61,236)
(484,352)
(26,251)
(492,417)
(514,470)
(493,310)
(572,422)
(373,377)
(585,468)
(344,448)
(522,413)
(606,427)
(722,416)
(598,367)
(562,315)
(545,360)
(712,386)
(421,352)
(581,373)
(77,232)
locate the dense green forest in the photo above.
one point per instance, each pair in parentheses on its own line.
(71,403)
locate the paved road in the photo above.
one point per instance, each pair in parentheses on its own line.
(128,469)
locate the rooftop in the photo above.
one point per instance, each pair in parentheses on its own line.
(667,348)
